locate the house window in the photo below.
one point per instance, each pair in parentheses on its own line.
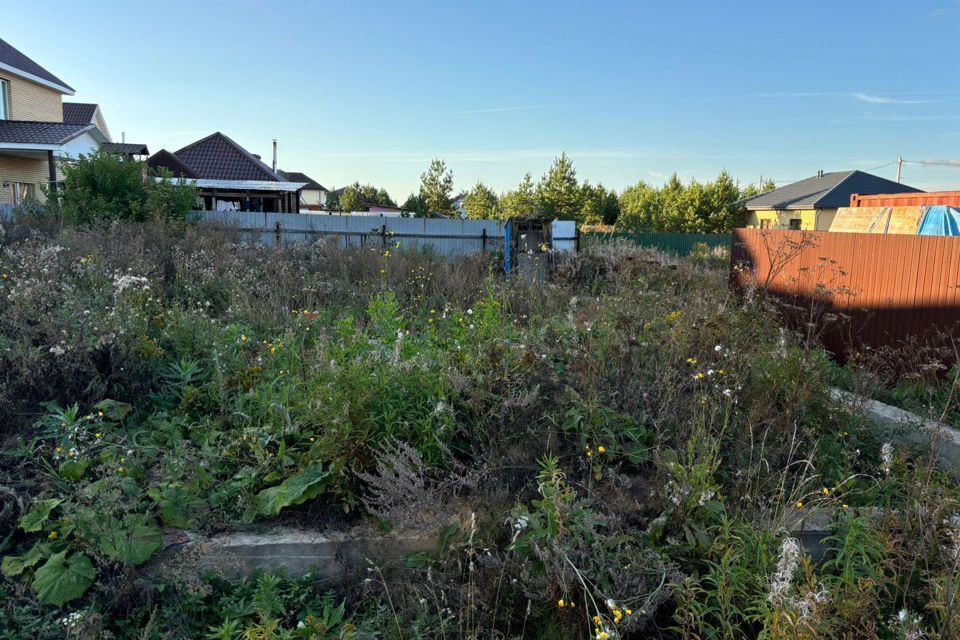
(765,223)
(24,192)
(4,100)
(795,224)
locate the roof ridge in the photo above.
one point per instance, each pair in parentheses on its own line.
(65,124)
(262,166)
(834,187)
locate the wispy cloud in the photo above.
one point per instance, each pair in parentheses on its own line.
(520,107)
(870,98)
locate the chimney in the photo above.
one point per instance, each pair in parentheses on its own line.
(274,155)
(123,137)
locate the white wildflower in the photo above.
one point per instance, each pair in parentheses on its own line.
(787,563)
(57,350)
(122,283)
(728,393)
(886,458)
(718,348)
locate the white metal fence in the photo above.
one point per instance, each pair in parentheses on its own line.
(449,237)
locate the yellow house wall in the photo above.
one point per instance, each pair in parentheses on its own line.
(31,101)
(810,219)
(17,169)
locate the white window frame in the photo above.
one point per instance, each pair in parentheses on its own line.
(4,99)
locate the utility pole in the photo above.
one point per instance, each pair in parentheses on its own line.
(760,185)
(899,167)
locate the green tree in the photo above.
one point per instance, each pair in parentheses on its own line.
(600,206)
(357,197)
(752,189)
(436,185)
(416,204)
(521,202)
(351,199)
(695,207)
(639,208)
(169,200)
(105,186)
(481,203)
(558,194)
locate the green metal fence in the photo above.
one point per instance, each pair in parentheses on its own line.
(678,243)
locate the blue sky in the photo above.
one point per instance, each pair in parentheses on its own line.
(371,91)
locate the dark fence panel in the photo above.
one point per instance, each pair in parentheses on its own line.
(678,243)
(891,286)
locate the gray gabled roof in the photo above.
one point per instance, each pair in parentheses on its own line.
(297,176)
(825,191)
(41,133)
(16,62)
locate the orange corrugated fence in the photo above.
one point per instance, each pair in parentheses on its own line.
(891,286)
(948,198)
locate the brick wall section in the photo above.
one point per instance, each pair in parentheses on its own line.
(31,101)
(15,169)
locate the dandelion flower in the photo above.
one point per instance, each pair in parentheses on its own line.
(602,449)
(825,491)
(560,603)
(799,504)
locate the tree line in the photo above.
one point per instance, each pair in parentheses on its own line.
(691,207)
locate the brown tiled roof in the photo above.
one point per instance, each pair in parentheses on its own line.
(78,112)
(166,160)
(127,148)
(27,132)
(217,157)
(11,57)
(296,176)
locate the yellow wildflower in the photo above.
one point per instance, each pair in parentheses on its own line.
(589,454)
(560,603)
(602,449)
(629,612)
(53,535)
(826,491)
(243,338)
(691,361)
(99,414)
(799,504)
(98,435)
(845,506)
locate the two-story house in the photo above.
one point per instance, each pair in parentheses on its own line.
(34,135)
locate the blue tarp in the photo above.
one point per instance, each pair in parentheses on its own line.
(940,220)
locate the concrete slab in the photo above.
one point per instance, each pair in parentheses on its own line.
(904,427)
(329,554)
